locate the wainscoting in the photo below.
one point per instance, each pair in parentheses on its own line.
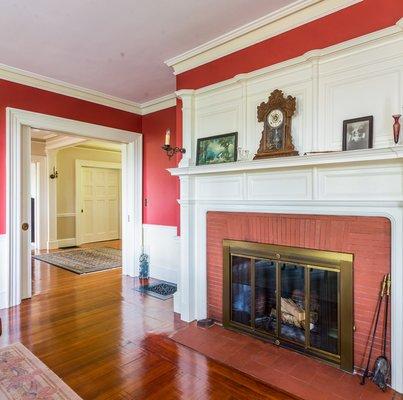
(161,243)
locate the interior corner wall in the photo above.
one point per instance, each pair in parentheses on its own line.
(37,100)
(357,20)
(161,192)
(160,189)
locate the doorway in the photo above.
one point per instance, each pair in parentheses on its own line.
(18,231)
(98,194)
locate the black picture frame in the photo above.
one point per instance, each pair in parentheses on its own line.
(203,158)
(358,133)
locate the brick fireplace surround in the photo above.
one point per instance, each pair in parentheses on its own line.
(368,238)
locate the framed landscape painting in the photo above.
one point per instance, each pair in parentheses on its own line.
(217,149)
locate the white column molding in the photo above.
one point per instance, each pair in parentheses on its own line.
(188,126)
(185,300)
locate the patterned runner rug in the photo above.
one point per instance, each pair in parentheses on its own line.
(84,261)
(23,376)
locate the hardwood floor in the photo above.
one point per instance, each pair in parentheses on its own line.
(108,341)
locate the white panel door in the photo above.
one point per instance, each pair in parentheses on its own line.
(100,204)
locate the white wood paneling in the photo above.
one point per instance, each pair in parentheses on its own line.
(161,243)
(342,82)
(223,187)
(361,183)
(280,185)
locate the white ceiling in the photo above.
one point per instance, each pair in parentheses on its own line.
(55,140)
(116,47)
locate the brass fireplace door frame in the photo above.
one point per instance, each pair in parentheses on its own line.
(310,258)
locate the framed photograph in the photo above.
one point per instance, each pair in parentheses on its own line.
(217,149)
(357,133)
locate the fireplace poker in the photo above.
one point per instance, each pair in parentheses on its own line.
(382,364)
(375,326)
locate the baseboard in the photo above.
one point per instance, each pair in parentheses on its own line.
(52,244)
(66,242)
(164,274)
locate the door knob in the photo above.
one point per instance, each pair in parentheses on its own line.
(25,226)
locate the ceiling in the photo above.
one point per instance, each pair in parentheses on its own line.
(116,47)
(54,140)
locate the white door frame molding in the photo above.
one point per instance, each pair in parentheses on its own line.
(94,164)
(132,179)
(42,222)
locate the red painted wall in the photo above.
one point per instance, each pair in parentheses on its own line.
(159,188)
(357,20)
(368,238)
(37,100)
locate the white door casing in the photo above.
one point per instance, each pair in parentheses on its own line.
(41,222)
(17,198)
(25,217)
(97,201)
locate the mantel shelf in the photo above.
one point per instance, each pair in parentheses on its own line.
(318,159)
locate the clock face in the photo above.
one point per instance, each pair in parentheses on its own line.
(275,118)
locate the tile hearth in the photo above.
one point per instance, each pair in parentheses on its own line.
(283,369)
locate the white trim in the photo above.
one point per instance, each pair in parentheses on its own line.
(66,215)
(273,24)
(346,48)
(164,264)
(63,141)
(158,104)
(42,223)
(131,213)
(31,79)
(52,200)
(53,85)
(94,164)
(66,242)
(337,157)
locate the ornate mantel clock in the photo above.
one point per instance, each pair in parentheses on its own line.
(276,115)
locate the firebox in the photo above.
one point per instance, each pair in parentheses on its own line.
(297,298)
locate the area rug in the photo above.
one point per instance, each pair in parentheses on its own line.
(160,290)
(84,261)
(25,377)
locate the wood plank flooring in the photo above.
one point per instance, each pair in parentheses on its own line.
(108,341)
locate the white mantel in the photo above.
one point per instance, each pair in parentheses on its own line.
(353,79)
(317,159)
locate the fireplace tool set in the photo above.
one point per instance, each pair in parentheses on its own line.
(381,369)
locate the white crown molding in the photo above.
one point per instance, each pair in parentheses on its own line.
(53,85)
(63,141)
(351,46)
(158,104)
(273,24)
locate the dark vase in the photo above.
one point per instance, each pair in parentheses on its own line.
(396,128)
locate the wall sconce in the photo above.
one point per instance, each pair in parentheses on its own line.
(54,174)
(171,151)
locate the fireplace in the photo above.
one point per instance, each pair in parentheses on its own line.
(298,298)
